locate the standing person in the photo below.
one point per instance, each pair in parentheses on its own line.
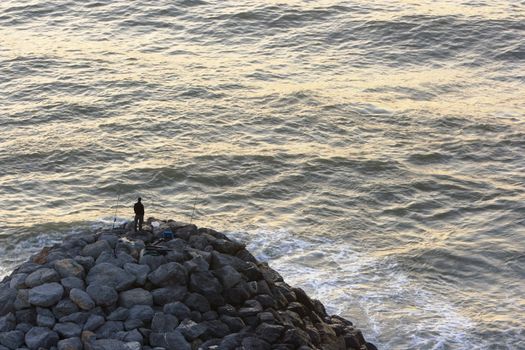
(139,214)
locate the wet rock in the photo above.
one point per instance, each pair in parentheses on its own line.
(69,268)
(41,276)
(111,276)
(46,294)
(18,281)
(70,344)
(40,337)
(102,295)
(12,339)
(95,249)
(168,274)
(82,299)
(137,296)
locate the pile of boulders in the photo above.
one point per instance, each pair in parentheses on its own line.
(195,289)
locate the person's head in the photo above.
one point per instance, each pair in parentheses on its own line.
(139,199)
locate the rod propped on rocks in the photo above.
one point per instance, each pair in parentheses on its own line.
(172,286)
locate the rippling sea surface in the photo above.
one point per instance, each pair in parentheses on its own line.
(372,151)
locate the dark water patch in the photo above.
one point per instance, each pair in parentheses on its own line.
(429,158)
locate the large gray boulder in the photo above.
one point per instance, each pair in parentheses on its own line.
(169,340)
(40,337)
(70,344)
(7,299)
(137,296)
(110,275)
(228,276)
(166,295)
(102,295)
(68,330)
(41,276)
(69,268)
(95,249)
(46,295)
(7,322)
(139,271)
(12,339)
(82,299)
(205,283)
(168,274)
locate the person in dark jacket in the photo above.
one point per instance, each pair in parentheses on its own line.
(139,214)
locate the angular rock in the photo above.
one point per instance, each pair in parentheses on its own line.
(137,296)
(162,323)
(7,322)
(235,324)
(152,261)
(41,276)
(166,295)
(12,339)
(228,276)
(68,329)
(169,340)
(7,299)
(205,283)
(253,343)
(191,330)
(69,268)
(82,299)
(139,271)
(102,295)
(197,302)
(178,309)
(216,329)
(22,299)
(70,344)
(196,264)
(46,294)
(168,274)
(269,333)
(220,260)
(95,249)
(110,275)
(40,337)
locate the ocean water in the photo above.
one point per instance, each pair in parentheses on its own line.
(373,152)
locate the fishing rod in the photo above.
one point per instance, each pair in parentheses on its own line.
(116,208)
(193,211)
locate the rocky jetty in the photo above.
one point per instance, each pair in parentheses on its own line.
(173,286)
